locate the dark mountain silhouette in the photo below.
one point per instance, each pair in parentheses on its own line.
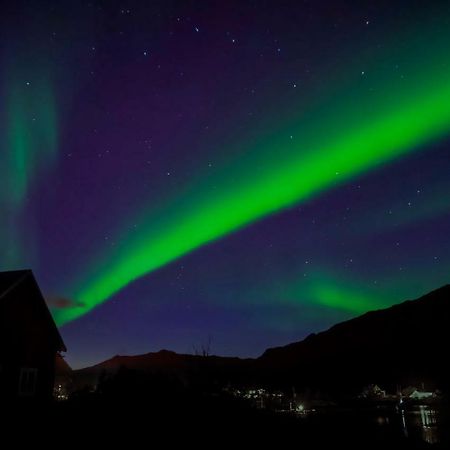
(165,360)
(184,367)
(403,344)
(400,345)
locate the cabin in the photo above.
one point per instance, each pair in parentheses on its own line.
(29,339)
(413,393)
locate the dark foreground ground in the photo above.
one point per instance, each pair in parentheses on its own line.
(209,421)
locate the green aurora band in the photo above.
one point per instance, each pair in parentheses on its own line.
(28,147)
(353,130)
(32,135)
(336,291)
(339,294)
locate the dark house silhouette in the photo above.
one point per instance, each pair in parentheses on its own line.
(29,339)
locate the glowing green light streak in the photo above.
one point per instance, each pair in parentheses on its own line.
(28,147)
(295,171)
(354,301)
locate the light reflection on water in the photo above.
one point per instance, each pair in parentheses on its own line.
(418,423)
(425,420)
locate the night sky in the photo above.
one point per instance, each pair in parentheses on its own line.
(244,172)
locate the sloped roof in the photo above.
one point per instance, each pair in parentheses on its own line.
(11,279)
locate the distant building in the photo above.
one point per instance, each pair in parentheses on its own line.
(29,339)
(420,395)
(373,391)
(413,393)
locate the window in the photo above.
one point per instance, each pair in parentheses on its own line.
(27,382)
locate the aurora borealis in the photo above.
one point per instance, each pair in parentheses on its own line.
(252,172)
(310,167)
(27,150)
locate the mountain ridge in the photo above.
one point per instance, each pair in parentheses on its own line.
(445,289)
(403,343)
